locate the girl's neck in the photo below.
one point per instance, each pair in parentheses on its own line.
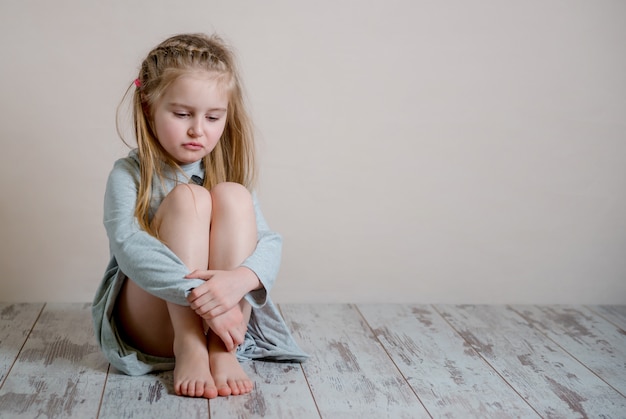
(190,166)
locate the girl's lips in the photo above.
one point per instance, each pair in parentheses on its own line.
(193,146)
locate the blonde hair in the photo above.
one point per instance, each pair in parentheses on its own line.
(233,158)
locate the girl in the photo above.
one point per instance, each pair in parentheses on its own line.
(192,258)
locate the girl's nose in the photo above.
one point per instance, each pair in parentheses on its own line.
(195,130)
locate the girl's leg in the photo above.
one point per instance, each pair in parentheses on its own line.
(160,328)
(233,239)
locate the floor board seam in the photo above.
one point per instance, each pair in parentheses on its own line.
(486,361)
(391,359)
(22,347)
(565,350)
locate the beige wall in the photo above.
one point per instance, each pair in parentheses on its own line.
(414,151)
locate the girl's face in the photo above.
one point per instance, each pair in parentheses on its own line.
(189,118)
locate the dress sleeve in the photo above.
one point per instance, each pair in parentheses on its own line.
(265,260)
(140,256)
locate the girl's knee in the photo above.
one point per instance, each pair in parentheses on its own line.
(188,197)
(232,195)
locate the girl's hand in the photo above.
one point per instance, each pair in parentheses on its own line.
(222,290)
(230,327)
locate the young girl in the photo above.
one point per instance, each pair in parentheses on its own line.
(192,258)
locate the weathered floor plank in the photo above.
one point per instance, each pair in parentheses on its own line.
(280,392)
(554,383)
(451,379)
(60,371)
(371,361)
(349,373)
(16,322)
(614,314)
(147,396)
(584,336)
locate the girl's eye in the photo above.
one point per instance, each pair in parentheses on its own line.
(181,114)
(212,118)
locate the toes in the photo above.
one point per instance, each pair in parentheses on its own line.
(224,390)
(196,389)
(181,388)
(245,386)
(185,389)
(249,386)
(234,386)
(240,386)
(210,392)
(199,389)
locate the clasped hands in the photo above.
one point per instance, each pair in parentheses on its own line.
(217,302)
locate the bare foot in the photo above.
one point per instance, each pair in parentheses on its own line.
(230,379)
(192,374)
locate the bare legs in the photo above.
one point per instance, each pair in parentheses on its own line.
(215,230)
(232,239)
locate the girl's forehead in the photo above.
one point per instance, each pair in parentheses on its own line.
(216,81)
(205,77)
(197,87)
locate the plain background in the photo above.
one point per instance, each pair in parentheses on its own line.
(411,151)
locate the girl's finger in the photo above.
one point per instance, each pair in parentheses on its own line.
(216,310)
(228,341)
(238,340)
(199,274)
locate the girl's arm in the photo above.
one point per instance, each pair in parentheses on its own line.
(265,260)
(251,280)
(150,264)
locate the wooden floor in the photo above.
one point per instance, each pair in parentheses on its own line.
(367,361)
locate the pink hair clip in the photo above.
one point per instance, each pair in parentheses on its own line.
(138,83)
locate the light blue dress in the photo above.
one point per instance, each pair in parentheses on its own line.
(154,267)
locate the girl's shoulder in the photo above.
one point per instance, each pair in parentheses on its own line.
(125,169)
(128,163)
